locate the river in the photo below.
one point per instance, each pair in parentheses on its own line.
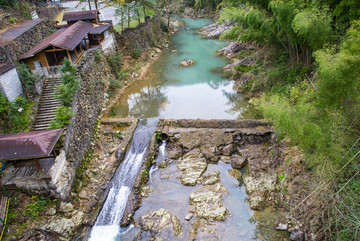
(171,91)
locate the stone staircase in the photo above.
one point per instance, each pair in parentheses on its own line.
(47,105)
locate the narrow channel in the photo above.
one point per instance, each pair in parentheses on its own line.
(107,225)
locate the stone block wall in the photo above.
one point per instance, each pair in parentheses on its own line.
(11,51)
(87,105)
(142,36)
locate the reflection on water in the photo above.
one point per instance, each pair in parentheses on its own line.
(199,91)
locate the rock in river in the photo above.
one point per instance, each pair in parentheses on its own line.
(207,202)
(158,220)
(188,62)
(238,161)
(192,167)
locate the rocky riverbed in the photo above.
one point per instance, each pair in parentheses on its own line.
(194,191)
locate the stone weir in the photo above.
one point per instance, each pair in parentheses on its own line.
(231,141)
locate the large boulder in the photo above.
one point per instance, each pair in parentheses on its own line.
(64,228)
(207,202)
(192,167)
(159,220)
(264,184)
(215,30)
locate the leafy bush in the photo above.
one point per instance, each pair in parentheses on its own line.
(320,134)
(14,117)
(62,118)
(7,3)
(114,84)
(66,90)
(136,52)
(164,26)
(115,61)
(36,207)
(28,79)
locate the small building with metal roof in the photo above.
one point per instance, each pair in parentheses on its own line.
(69,42)
(89,16)
(29,157)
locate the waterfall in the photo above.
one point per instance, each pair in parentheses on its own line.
(107,225)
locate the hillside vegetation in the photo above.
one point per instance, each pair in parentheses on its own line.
(309,75)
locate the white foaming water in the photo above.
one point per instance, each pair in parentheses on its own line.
(107,225)
(162,149)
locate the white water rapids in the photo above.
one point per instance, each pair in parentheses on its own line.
(107,225)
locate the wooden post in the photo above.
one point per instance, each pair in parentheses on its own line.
(76,55)
(37,164)
(67,51)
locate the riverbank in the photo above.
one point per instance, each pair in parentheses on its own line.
(295,182)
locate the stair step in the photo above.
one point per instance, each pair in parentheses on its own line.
(46,112)
(48,108)
(49,101)
(41,127)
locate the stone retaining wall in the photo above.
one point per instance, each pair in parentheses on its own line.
(11,51)
(87,105)
(143,36)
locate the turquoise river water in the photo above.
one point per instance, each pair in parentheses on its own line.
(199,91)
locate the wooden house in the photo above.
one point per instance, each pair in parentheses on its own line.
(68,42)
(91,16)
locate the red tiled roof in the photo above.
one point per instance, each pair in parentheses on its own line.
(99,28)
(28,145)
(80,15)
(67,38)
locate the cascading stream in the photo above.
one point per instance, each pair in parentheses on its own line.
(107,225)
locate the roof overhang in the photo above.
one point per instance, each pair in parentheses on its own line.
(28,145)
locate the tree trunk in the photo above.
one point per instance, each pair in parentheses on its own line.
(169,16)
(96,5)
(89,4)
(138,14)
(144,9)
(122,20)
(128,13)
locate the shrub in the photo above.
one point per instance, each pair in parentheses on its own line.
(36,207)
(136,52)
(66,90)
(114,84)
(27,78)
(164,26)
(14,117)
(115,62)
(62,118)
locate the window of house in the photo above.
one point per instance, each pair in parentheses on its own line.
(37,64)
